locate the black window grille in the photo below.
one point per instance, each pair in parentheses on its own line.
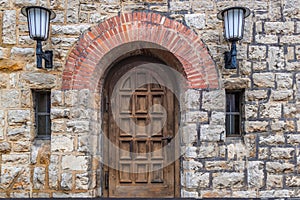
(42,102)
(234,113)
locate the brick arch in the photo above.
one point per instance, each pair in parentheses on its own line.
(94,45)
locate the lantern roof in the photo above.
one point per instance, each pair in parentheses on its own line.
(220,15)
(24,11)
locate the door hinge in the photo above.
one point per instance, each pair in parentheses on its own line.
(106,180)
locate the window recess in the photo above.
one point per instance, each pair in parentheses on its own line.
(234,106)
(42,104)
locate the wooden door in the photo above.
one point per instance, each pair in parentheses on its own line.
(142,121)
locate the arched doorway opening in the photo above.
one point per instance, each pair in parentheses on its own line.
(141,123)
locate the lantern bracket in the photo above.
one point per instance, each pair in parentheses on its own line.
(230,57)
(40,55)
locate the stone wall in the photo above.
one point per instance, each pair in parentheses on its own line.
(264,162)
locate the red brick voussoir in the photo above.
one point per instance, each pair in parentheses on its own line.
(82,64)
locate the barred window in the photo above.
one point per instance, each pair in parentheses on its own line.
(234,113)
(42,102)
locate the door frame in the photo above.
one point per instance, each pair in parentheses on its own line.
(105,127)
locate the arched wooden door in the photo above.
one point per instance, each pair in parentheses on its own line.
(141,122)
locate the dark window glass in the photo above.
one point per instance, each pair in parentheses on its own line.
(233,113)
(42,114)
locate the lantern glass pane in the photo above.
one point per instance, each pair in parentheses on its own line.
(233,21)
(38,23)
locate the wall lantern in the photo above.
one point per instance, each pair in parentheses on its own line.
(234,27)
(38,24)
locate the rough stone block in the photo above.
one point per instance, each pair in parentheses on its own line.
(20,195)
(5,147)
(217,118)
(256,95)
(57,113)
(264,80)
(40,195)
(24,54)
(16,177)
(293,139)
(18,117)
(212,133)
(207,150)
(282,95)
(190,152)
(276,58)
(192,165)
(282,153)
(15,159)
(195,20)
(9,35)
(189,134)
(196,116)
(58,126)
(188,194)
(18,133)
(289,39)
(256,126)
(179,6)
(63,42)
(38,80)
(39,177)
(237,151)
(270,110)
(257,52)
(53,172)
(278,167)
(293,181)
(266,39)
(197,180)
(218,165)
(69,29)
(272,140)
(57,98)
(290,111)
(279,27)
(251,111)
(274,181)
(21,3)
(78,126)
(82,181)
(244,194)
(10,98)
(284,80)
(231,180)
(275,193)
(213,100)
(70,162)
(255,173)
(62,143)
(236,83)
(66,181)
(191,98)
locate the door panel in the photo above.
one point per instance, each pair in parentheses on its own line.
(141,129)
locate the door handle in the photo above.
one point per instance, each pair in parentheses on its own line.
(167,138)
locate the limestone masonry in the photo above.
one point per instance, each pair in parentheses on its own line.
(263,162)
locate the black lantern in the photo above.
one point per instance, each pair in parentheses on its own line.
(38,24)
(234,27)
